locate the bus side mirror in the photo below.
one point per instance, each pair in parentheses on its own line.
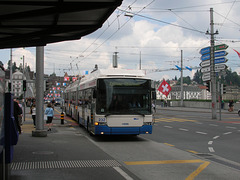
(154,95)
(94,93)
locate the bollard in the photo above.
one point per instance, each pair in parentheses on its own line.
(62,118)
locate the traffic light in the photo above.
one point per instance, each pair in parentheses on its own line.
(47,85)
(223,88)
(24,85)
(208,85)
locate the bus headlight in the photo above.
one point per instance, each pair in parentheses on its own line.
(100,123)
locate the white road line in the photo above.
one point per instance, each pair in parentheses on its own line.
(231,127)
(198,132)
(181,129)
(211,149)
(216,137)
(120,171)
(168,126)
(210,142)
(227,133)
(213,125)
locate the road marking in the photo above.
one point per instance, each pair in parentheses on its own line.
(216,137)
(210,142)
(198,132)
(168,144)
(124,174)
(164,162)
(213,125)
(168,126)
(190,177)
(231,127)
(181,129)
(174,120)
(199,169)
(211,149)
(227,133)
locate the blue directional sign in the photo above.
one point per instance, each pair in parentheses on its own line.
(220,60)
(216,54)
(205,50)
(205,57)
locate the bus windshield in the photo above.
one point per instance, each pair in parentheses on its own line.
(123,96)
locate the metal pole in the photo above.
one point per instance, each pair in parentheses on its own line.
(40,132)
(220,99)
(24,110)
(213,75)
(11,91)
(181,78)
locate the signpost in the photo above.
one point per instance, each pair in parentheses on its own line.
(218,60)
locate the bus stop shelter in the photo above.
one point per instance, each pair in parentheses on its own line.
(36,23)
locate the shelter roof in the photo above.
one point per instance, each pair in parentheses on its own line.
(26,23)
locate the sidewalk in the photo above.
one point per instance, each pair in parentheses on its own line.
(65,154)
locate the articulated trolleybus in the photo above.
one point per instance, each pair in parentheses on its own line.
(112,102)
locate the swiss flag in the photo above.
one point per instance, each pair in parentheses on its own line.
(164,88)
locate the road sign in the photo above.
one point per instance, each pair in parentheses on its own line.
(205,50)
(216,54)
(205,69)
(205,63)
(220,60)
(219,67)
(206,76)
(220,47)
(205,57)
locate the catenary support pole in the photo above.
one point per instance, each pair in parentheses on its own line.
(213,74)
(182,78)
(39,132)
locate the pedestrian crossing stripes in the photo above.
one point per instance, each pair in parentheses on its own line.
(173,120)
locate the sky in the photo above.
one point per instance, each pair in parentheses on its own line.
(152,39)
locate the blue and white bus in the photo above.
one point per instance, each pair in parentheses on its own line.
(112,102)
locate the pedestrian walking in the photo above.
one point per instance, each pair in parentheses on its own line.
(33,112)
(49,112)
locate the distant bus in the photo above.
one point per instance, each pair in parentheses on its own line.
(112,102)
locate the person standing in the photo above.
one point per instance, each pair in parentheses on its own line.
(16,112)
(49,112)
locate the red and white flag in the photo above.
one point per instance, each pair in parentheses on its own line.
(164,88)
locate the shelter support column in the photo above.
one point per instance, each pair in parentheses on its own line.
(39,132)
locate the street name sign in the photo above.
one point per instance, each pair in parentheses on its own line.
(206,76)
(205,69)
(205,63)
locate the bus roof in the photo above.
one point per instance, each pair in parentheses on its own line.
(115,73)
(106,73)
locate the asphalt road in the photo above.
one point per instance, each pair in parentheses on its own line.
(196,132)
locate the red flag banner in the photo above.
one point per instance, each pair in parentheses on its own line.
(237,53)
(164,88)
